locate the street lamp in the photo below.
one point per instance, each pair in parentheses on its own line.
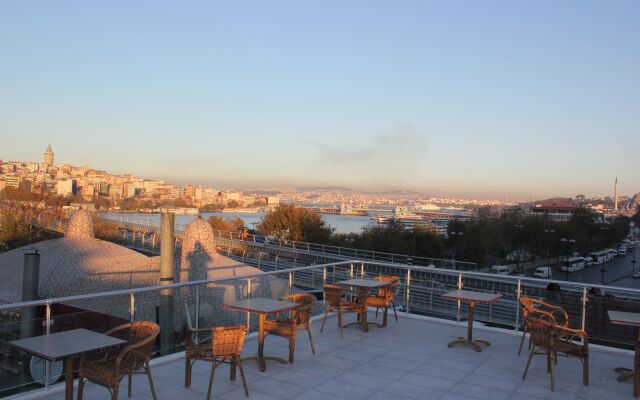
(568,243)
(454,239)
(518,227)
(549,234)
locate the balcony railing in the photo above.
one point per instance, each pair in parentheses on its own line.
(199,304)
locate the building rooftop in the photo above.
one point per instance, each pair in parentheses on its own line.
(407,360)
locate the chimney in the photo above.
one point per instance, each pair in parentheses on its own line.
(167,277)
(30,283)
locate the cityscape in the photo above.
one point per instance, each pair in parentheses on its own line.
(320,200)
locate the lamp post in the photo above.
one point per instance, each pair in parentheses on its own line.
(568,243)
(549,235)
(454,239)
(633,261)
(513,247)
(603,268)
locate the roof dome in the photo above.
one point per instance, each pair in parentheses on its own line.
(80,226)
(197,243)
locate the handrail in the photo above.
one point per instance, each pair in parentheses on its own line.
(160,287)
(441,271)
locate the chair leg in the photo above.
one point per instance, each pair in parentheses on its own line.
(147,369)
(533,350)
(340,322)
(232,371)
(313,349)
(395,313)
(292,348)
(585,371)
(187,372)
(213,369)
(244,380)
(324,319)
(129,386)
(114,393)
(377,308)
(80,387)
(552,365)
(524,334)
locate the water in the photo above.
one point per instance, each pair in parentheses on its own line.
(341,223)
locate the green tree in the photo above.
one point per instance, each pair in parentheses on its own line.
(295,223)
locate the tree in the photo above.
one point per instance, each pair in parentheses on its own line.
(290,222)
(226,224)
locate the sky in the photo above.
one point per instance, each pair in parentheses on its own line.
(525,99)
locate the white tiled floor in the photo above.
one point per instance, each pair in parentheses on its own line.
(406,360)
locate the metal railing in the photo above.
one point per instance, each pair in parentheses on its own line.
(199,303)
(146,225)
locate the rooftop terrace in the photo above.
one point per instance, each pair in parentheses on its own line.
(407,360)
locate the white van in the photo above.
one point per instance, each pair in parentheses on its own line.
(500,270)
(543,272)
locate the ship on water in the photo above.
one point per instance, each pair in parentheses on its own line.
(425,217)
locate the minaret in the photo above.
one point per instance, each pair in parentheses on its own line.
(48,157)
(615,195)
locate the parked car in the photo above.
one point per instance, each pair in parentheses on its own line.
(500,270)
(543,272)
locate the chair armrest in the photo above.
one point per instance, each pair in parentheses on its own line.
(566,333)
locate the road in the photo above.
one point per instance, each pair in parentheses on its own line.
(618,272)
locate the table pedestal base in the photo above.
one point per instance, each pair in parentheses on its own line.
(262,363)
(625,374)
(475,343)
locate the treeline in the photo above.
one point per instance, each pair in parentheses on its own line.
(483,240)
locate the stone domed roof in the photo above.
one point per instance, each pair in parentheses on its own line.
(80,226)
(197,243)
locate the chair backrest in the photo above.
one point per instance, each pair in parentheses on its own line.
(333,294)
(141,338)
(302,314)
(227,341)
(388,292)
(555,314)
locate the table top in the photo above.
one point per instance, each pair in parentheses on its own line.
(261,305)
(624,318)
(472,296)
(65,344)
(364,283)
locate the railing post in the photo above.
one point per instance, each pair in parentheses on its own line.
(248,296)
(290,282)
(132,307)
(47,364)
(197,306)
(518,305)
(351,271)
(362,270)
(407,291)
(584,307)
(324,275)
(459,303)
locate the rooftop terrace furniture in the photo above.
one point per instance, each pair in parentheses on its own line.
(65,346)
(471,297)
(549,338)
(334,300)
(262,306)
(385,297)
(109,368)
(633,320)
(224,347)
(363,287)
(298,319)
(530,305)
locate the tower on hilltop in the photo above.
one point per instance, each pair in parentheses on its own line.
(48,157)
(615,195)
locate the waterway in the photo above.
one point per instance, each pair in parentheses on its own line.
(341,223)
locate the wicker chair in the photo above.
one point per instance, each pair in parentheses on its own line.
(298,319)
(385,297)
(333,300)
(224,346)
(551,338)
(108,369)
(534,306)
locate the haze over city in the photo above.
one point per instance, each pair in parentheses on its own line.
(459,99)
